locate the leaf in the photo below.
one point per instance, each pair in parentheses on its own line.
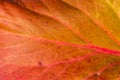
(59,40)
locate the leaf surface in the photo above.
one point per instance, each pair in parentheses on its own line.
(59,40)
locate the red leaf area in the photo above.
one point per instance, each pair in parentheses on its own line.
(59,40)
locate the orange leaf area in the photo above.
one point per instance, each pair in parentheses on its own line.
(59,40)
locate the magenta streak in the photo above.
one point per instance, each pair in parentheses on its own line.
(71,60)
(104,50)
(92,47)
(103,69)
(109,66)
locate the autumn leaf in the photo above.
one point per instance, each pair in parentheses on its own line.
(59,40)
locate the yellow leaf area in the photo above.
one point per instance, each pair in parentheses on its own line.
(59,40)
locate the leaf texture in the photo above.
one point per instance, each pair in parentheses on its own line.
(59,40)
